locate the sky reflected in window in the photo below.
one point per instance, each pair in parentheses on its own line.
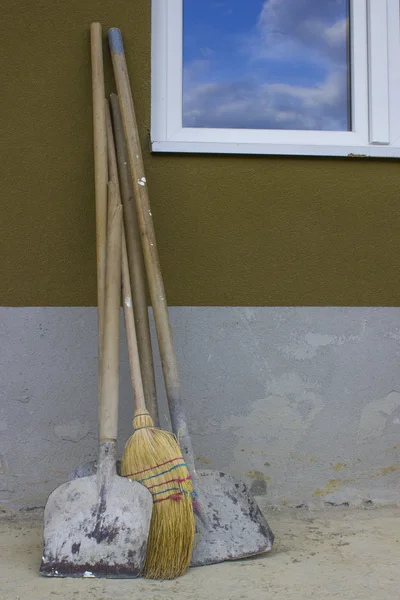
(266,64)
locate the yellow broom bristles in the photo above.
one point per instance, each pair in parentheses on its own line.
(153,457)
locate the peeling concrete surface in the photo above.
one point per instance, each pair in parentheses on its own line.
(303,404)
(325,554)
(377,415)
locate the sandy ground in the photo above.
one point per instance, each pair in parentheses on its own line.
(335,553)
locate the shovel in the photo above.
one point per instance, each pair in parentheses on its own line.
(98,526)
(229,523)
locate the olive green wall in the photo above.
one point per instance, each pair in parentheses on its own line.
(232,230)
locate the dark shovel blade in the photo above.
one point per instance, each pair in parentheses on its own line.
(230,525)
(95,528)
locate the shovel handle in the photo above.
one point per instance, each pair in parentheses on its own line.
(152,264)
(100,170)
(110,359)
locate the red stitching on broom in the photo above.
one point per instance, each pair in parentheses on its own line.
(150,487)
(155,467)
(177,496)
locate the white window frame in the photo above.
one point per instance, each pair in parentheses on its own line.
(375,93)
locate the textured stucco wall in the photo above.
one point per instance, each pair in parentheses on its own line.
(232,230)
(302,403)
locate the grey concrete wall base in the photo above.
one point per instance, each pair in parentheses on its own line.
(303,404)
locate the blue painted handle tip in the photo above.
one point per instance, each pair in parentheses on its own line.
(115,40)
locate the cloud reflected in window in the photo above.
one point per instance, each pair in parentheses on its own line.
(274,64)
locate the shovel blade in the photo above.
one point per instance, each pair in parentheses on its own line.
(230,525)
(96,528)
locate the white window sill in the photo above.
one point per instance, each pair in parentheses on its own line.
(276,149)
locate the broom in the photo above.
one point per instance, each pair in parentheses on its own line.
(153,456)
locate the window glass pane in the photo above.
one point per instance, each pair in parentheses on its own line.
(266,64)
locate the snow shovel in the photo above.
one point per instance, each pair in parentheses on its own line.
(229,523)
(98,526)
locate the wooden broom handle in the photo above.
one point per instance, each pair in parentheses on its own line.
(153,270)
(100,170)
(136,265)
(112,159)
(133,352)
(110,359)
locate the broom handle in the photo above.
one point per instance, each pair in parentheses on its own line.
(133,353)
(112,159)
(100,172)
(136,266)
(154,277)
(133,350)
(110,359)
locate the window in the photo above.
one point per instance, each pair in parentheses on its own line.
(305,77)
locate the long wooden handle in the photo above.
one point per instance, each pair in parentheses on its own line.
(133,350)
(136,265)
(100,170)
(153,270)
(110,359)
(133,353)
(111,155)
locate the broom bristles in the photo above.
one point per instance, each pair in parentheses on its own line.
(153,457)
